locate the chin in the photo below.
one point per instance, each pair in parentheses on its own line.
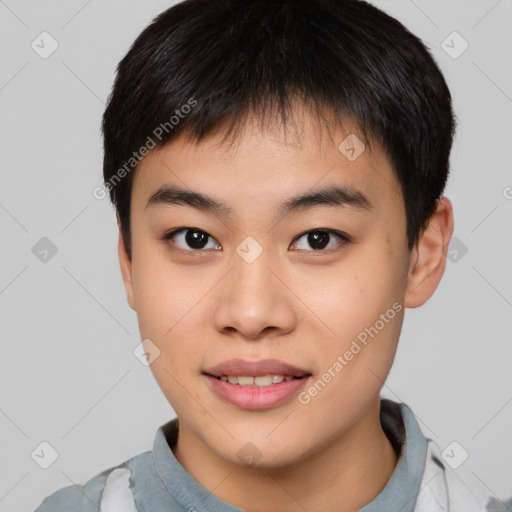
(260,453)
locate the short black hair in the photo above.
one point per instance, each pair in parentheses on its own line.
(203,64)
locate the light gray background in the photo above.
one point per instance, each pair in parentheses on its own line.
(68,374)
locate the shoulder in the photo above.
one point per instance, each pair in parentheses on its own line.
(108,491)
(442,490)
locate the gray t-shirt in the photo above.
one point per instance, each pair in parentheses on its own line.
(156,482)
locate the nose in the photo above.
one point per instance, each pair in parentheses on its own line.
(254,302)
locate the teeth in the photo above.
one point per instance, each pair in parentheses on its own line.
(263,380)
(259,381)
(245,381)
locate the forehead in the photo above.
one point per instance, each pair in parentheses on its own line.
(267,164)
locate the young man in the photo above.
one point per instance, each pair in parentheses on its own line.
(277,169)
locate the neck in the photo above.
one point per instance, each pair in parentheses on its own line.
(342,476)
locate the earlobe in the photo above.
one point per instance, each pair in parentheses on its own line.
(428,259)
(126,269)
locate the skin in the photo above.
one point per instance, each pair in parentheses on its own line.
(293,303)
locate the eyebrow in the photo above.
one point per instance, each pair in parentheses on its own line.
(334,196)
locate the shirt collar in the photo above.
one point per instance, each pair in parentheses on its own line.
(180,484)
(398,423)
(402,429)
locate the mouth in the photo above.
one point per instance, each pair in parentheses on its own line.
(259,381)
(256,385)
(261,368)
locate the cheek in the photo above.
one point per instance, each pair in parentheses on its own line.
(167,316)
(162,295)
(170,311)
(361,312)
(352,295)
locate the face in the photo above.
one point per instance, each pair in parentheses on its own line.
(308,298)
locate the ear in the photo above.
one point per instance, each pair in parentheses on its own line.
(126,268)
(428,258)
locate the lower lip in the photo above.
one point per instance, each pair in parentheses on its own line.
(254,397)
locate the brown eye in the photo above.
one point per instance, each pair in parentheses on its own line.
(191,239)
(319,239)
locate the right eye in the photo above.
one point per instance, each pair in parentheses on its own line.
(195,239)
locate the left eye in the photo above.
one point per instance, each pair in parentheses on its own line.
(319,239)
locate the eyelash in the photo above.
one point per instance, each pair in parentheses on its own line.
(345,238)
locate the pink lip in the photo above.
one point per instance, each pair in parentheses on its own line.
(256,368)
(254,397)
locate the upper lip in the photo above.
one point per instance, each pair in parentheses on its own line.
(244,367)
